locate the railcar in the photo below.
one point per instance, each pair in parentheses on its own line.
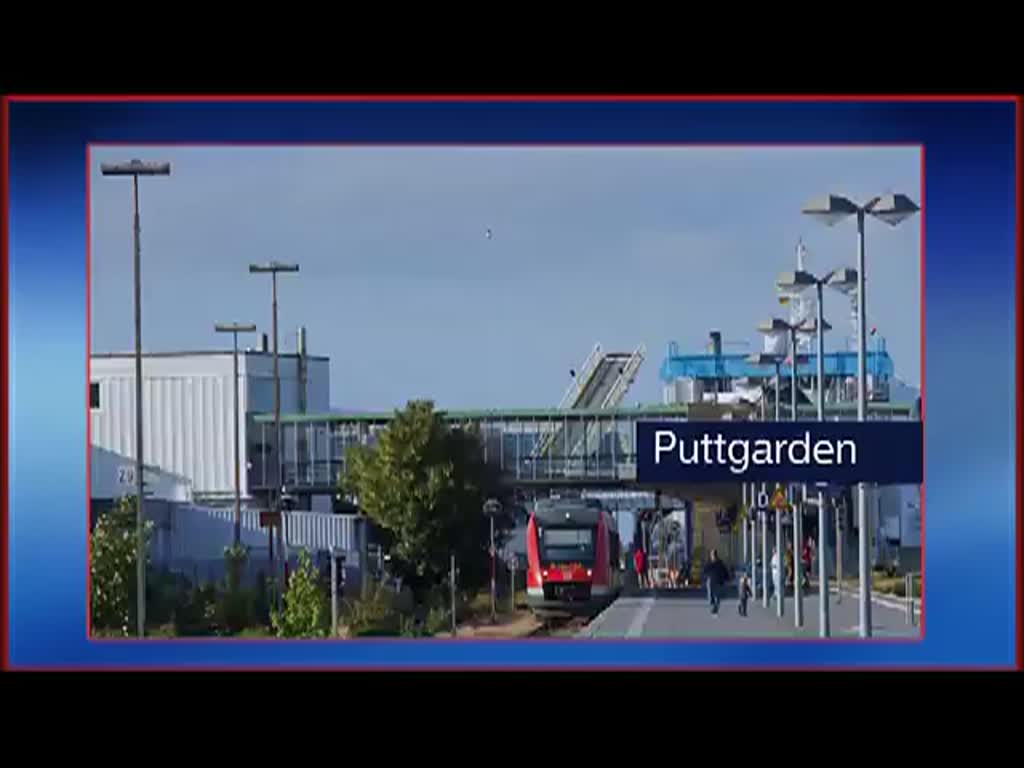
(572,552)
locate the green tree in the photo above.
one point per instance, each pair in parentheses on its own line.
(424,485)
(112,570)
(305,612)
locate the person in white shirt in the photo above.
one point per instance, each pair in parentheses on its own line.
(775,573)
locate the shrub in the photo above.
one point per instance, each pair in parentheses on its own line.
(438,620)
(376,615)
(236,607)
(305,611)
(196,612)
(112,568)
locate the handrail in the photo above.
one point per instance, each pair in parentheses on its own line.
(615,395)
(582,377)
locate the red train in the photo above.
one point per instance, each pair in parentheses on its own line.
(572,552)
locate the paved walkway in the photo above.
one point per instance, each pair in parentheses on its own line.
(686,614)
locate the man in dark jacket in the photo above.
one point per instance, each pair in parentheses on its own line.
(715,576)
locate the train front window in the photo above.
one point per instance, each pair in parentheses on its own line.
(567,545)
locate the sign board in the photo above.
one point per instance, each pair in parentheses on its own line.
(269,519)
(126,474)
(778,502)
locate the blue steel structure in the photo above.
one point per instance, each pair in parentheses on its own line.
(735,366)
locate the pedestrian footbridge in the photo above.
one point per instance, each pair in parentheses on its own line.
(582,446)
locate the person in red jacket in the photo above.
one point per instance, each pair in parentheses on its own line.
(807,557)
(640,564)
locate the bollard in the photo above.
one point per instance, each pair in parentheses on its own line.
(512,595)
(908,597)
(452,577)
(334,594)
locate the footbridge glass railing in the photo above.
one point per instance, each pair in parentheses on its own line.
(590,445)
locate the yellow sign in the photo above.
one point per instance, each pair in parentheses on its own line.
(778,502)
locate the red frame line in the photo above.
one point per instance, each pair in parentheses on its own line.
(513,98)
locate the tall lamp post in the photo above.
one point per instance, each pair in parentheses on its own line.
(830,210)
(234,329)
(840,279)
(273,269)
(136,168)
(492,508)
(776,325)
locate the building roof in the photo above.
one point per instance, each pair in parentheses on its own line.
(202,353)
(540,414)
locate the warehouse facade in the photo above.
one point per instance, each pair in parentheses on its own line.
(188,412)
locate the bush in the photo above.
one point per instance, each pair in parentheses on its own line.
(196,612)
(236,607)
(376,615)
(305,611)
(438,620)
(112,568)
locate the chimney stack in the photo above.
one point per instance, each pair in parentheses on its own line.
(716,343)
(264,343)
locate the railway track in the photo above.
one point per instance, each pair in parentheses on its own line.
(555,625)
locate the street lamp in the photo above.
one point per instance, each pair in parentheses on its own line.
(839,279)
(234,329)
(136,168)
(830,210)
(273,268)
(776,325)
(492,508)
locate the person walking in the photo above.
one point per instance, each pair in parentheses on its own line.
(640,565)
(806,557)
(744,594)
(775,574)
(715,575)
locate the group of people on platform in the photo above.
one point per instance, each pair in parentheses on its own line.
(715,574)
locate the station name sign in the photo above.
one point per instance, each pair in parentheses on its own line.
(843,453)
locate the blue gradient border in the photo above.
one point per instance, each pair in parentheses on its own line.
(970,285)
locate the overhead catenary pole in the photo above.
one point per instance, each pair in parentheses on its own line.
(234,329)
(764,552)
(862,406)
(796,509)
(273,268)
(137,168)
(824,626)
(780,559)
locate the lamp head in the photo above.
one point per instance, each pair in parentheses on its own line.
(135,168)
(843,279)
(796,280)
(892,209)
(830,209)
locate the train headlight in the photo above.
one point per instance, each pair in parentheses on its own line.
(544,574)
(589,573)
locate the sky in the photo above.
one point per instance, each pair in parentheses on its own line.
(401,287)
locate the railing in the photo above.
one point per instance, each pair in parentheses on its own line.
(580,381)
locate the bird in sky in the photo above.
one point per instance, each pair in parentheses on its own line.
(488,234)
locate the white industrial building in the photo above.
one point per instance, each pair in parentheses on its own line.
(188,415)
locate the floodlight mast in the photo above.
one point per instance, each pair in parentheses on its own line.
(234,329)
(830,210)
(136,168)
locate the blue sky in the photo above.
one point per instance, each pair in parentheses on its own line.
(400,286)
